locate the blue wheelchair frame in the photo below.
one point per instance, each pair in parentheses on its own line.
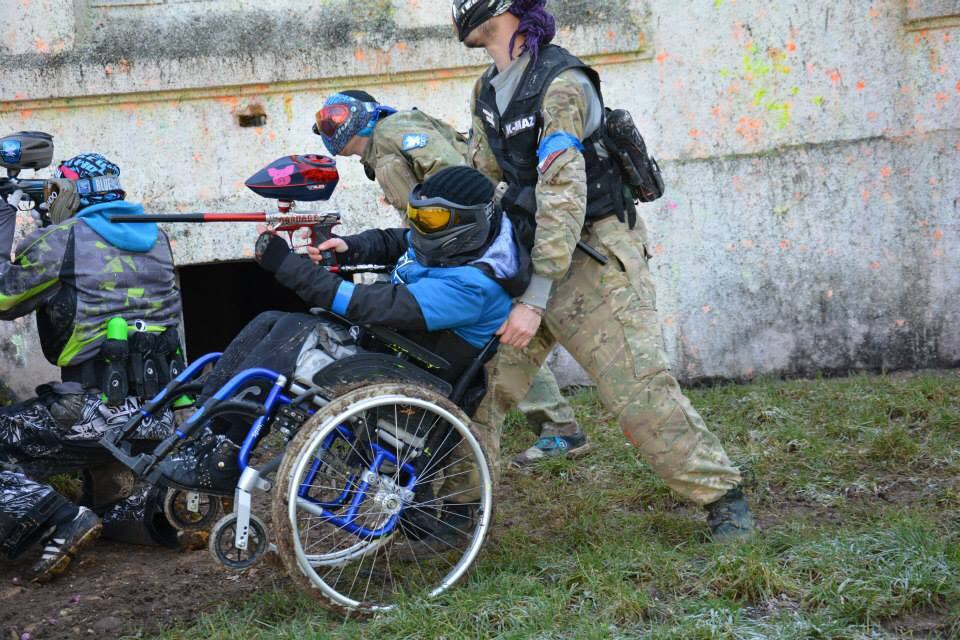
(146,464)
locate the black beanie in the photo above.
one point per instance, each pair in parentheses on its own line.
(360,95)
(461,185)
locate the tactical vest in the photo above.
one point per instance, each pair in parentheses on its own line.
(514,136)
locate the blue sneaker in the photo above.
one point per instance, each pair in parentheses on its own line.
(552,447)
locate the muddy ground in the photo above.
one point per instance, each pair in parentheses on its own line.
(116,589)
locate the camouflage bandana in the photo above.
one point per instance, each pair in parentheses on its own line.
(83,169)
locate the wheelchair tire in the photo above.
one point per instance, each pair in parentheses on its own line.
(176,509)
(224,551)
(415,530)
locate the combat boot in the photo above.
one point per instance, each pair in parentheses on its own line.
(63,544)
(209,464)
(729,517)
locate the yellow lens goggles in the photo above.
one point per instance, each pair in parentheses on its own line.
(429,219)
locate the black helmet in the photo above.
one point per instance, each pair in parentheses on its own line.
(452,217)
(470,14)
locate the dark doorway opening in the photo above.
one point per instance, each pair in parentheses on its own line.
(220,299)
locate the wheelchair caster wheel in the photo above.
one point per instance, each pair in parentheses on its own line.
(191,511)
(223,543)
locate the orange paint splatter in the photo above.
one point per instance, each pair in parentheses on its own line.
(662,57)
(359,55)
(715,111)
(875,266)
(861,85)
(865,194)
(874,12)
(669,321)
(26,114)
(659,250)
(231,101)
(886,172)
(749,128)
(938,253)
(748,372)
(942,99)
(938,235)
(835,77)
(747,244)
(957,87)
(872,116)
(611,35)
(791,46)
(41,45)
(694,133)
(785,245)
(706,308)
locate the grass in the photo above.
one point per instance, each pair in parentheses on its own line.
(855,482)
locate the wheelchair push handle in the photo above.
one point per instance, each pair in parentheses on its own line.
(481,358)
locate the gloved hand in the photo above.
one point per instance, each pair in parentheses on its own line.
(62,199)
(271,251)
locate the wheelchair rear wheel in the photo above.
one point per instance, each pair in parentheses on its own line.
(383,494)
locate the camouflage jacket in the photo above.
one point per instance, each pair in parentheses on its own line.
(80,274)
(561,190)
(409,147)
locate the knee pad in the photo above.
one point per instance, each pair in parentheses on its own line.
(20,531)
(140,520)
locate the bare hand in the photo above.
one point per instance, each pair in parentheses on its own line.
(333,244)
(520,327)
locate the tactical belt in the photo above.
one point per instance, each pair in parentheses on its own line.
(140,366)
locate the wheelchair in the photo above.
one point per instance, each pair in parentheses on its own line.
(381,491)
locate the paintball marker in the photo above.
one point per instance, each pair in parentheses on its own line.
(20,151)
(306,178)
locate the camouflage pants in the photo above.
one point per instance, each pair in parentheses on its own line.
(548,413)
(606,317)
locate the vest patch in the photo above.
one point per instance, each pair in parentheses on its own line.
(518,126)
(413,141)
(490,118)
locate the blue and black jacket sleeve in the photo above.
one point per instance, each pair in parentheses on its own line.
(375,246)
(385,304)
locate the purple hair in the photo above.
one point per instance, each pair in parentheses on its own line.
(536,25)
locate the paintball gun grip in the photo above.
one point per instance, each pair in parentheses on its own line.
(320,233)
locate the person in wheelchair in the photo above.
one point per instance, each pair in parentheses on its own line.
(107,312)
(457,269)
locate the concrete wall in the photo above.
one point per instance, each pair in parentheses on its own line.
(811,149)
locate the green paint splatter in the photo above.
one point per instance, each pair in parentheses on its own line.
(717,3)
(818,100)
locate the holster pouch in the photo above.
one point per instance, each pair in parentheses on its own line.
(114,383)
(640,170)
(144,372)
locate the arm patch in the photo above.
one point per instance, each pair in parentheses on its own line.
(553,146)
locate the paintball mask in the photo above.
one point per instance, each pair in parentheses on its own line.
(470,14)
(345,115)
(452,217)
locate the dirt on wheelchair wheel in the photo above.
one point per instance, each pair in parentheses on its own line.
(116,589)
